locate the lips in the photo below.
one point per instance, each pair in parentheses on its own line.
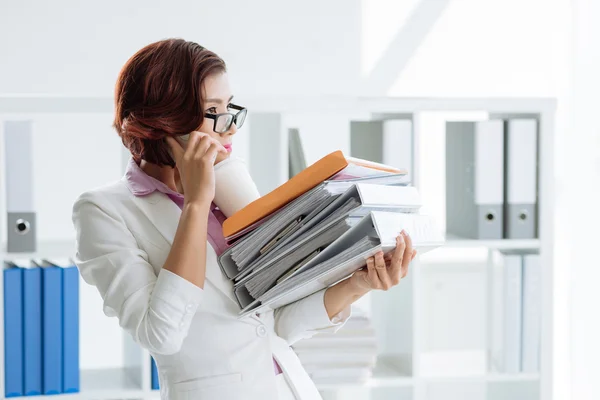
(228,147)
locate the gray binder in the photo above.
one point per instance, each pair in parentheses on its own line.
(520,205)
(475,179)
(387,140)
(21,218)
(297,160)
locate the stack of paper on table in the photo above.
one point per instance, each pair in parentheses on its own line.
(323,234)
(349,355)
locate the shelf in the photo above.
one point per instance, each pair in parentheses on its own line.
(491,377)
(45,249)
(108,384)
(501,244)
(387,373)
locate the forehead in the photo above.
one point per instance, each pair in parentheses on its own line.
(216,86)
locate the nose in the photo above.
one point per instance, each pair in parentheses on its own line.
(232,129)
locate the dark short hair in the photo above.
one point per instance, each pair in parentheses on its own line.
(159,94)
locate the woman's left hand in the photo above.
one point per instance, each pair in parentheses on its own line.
(384,272)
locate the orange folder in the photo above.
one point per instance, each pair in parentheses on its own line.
(301,183)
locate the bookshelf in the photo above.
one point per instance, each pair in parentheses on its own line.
(400,372)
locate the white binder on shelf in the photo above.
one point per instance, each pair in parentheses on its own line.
(532,312)
(475,179)
(297,160)
(18,167)
(520,206)
(398,145)
(388,141)
(506,312)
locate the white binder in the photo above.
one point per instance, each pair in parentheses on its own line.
(21,217)
(398,145)
(532,313)
(388,140)
(475,179)
(512,313)
(520,206)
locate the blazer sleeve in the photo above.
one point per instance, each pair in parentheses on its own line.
(307,317)
(156,310)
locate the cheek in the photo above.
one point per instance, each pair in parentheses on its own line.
(207,127)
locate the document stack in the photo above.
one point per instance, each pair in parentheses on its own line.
(348,355)
(319,228)
(41,325)
(516,312)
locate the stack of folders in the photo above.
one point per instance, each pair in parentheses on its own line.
(516,312)
(41,322)
(324,234)
(491,178)
(349,355)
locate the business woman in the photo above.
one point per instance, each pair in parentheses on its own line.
(149,242)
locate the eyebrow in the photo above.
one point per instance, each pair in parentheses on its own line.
(218,101)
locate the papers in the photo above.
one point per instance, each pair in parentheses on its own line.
(325,235)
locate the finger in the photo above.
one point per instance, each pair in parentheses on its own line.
(192,144)
(407,253)
(220,147)
(414,254)
(373,278)
(382,271)
(176,149)
(397,256)
(202,147)
(211,154)
(207,142)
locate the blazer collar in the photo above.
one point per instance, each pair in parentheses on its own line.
(164,215)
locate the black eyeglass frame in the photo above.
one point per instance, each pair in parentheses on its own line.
(234,119)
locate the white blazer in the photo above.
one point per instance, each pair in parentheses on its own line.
(203,351)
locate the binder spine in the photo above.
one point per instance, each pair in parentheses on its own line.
(155,382)
(32,329)
(70,308)
(52,330)
(13,332)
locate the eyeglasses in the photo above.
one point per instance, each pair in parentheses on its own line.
(224,121)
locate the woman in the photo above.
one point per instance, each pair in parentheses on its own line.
(142,241)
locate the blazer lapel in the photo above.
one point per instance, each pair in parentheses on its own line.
(164,215)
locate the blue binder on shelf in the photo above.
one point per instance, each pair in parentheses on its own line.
(70,328)
(32,328)
(13,331)
(52,325)
(155,384)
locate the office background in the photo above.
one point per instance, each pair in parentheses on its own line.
(311,51)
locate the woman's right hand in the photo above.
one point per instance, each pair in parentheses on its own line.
(196,166)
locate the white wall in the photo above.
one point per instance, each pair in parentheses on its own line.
(471,47)
(486,47)
(581,149)
(271,47)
